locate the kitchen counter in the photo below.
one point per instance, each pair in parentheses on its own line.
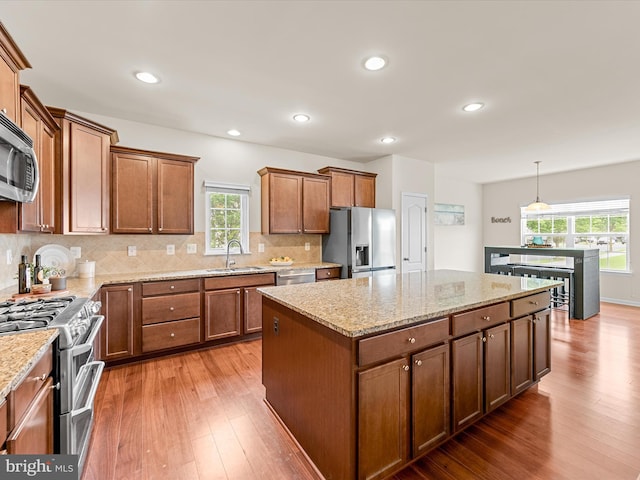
(19,353)
(360,306)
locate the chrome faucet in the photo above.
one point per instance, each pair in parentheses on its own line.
(233,262)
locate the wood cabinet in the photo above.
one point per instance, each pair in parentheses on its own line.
(170,314)
(30,410)
(83,173)
(233,306)
(497,366)
(294,202)
(351,188)
(541,343)
(117,334)
(12,60)
(521,354)
(151,192)
(327,273)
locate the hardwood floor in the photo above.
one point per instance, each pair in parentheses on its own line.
(201,416)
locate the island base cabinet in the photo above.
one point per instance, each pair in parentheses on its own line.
(542,343)
(497,366)
(383,434)
(466,382)
(521,354)
(34,433)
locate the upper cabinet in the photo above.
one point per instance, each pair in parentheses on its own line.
(294,202)
(37,122)
(82,164)
(351,188)
(151,192)
(11,62)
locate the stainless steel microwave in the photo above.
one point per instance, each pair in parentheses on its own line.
(19,176)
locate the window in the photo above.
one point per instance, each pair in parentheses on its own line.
(226,217)
(597,224)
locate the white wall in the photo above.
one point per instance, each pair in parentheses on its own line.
(504,199)
(459,247)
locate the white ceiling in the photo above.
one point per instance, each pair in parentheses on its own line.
(560,79)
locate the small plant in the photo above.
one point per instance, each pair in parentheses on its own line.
(53,272)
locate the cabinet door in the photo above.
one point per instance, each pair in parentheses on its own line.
(497,366)
(383,430)
(315,205)
(30,214)
(34,433)
(466,383)
(430,398)
(9,91)
(252,310)
(89,187)
(131,193)
(117,329)
(175,197)
(342,194)
(364,191)
(521,354)
(542,343)
(285,203)
(47,186)
(222,313)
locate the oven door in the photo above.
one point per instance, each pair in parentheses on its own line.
(73,366)
(76,425)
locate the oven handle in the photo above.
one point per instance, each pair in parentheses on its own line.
(88,407)
(88,343)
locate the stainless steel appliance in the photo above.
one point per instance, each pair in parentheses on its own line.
(19,176)
(363,240)
(293,276)
(76,373)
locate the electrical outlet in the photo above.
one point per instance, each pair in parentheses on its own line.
(76,252)
(307,246)
(9,257)
(192,248)
(171,249)
(261,248)
(131,250)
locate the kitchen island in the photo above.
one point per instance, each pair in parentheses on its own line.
(368,374)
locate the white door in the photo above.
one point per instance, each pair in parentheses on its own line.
(414,232)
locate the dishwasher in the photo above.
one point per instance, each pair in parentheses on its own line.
(293,276)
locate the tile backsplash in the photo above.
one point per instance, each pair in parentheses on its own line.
(110,252)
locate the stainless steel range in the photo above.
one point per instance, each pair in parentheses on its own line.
(76,372)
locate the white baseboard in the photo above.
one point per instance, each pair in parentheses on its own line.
(621,302)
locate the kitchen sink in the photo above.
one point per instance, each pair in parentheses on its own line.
(235,269)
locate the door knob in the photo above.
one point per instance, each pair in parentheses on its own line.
(406,259)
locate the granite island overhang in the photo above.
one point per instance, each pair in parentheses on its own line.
(418,356)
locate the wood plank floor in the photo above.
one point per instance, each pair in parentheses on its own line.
(201,416)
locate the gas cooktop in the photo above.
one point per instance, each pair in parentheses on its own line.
(30,314)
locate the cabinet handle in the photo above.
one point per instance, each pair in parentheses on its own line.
(4,110)
(412,340)
(486,317)
(172,335)
(484,339)
(418,363)
(55,386)
(532,302)
(405,368)
(41,378)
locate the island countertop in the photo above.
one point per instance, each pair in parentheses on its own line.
(361,306)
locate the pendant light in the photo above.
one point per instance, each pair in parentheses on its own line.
(537,206)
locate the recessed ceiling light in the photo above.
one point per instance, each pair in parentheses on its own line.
(387,139)
(473,107)
(147,77)
(375,62)
(301,117)
(233,132)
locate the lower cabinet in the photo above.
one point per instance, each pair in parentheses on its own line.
(413,393)
(117,339)
(521,354)
(222,313)
(541,343)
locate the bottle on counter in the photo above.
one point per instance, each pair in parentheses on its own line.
(24,276)
(38,274)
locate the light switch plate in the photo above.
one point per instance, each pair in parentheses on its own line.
(192,248)
(261,248)
(171,249)
(307,246)
(131,250)
(76,251)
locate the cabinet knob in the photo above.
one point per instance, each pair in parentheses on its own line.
(412,340)
(42,377)
(160,229)
(533,302)
(150,229)
(172,287)
(405,368)
(484,339)
(406,259)
(104,229)
(129,289)
(172,335)
(55,386)
(486,317)
(171,309)
(4,110)
(491,335)
(418,362)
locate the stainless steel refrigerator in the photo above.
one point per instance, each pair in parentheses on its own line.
(363,240)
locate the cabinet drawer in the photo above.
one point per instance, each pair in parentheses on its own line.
(168,287)
(26,391)
(237,281)
(387,345)
(479,318)
(170,334)
(530,304)
(170,307)
(327,273)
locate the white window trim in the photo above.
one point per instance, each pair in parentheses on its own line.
(244,191)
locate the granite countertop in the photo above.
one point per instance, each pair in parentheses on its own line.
(360,306)
(19,353)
